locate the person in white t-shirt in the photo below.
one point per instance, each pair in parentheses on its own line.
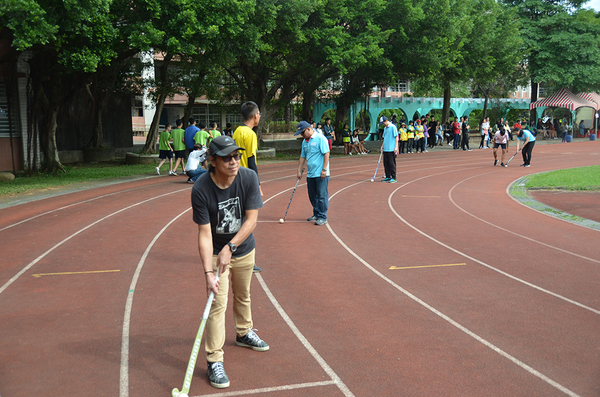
(193,167)
(500,140)
(485,126)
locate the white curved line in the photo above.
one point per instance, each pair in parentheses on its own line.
(478,261)
(442,315)
(124,372)
(511,232)
(39,258)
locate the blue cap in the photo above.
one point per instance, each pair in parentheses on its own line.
(301,127)
(382,119)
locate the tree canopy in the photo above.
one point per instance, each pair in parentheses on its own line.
(275,52)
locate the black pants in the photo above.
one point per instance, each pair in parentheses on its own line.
(465,141)
(409,145)
(389,164)
(401,145)
(527,149)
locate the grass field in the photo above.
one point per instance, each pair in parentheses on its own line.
(584,178)
(78,173)
(75,174)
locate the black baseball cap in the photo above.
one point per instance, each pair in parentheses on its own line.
(222,146)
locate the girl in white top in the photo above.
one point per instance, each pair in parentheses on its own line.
(500,140)
(485,126)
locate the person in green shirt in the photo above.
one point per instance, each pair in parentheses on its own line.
(165,151)
(177,135)
(213,131)
(202,136)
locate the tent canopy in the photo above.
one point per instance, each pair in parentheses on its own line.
(591,96)
(563,98)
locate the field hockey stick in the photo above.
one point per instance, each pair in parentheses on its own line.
(187,381)
(293,191)
(377,169)
(512,157)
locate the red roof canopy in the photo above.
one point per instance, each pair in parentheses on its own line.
(563,98)
(590,96)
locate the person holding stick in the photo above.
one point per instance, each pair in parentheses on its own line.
(315,156)
(225,204)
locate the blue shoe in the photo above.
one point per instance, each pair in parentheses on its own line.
(386,179)
(392,181)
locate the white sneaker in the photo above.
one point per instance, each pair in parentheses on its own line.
(157,170)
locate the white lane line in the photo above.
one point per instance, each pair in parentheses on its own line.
(273,389)
(437,312)
(476,260)
(39,258)
(334,377)
(514,233)
(67,206)
(124,372)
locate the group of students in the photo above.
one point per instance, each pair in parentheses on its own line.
(352,141)
(190,144)
(177,143)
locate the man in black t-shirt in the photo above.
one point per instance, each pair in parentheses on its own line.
(225,203)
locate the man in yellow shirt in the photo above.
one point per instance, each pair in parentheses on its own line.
(245,138)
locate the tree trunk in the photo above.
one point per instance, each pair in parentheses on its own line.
(485,105)
(189,108)
(341,114)
(50,150)
(150,146)
(534,97)
(446,107)
(288,117)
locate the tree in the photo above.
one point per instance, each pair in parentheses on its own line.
(262,61)
(65,42)
(180,31)
(494,52)
(354,41)
(559,48)
(440,52)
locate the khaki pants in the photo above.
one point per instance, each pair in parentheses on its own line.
(240,270)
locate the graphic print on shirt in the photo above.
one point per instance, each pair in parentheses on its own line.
(230,216)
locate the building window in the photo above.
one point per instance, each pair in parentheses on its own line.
(4,113)
(400,86)
(137,107)
(234,119)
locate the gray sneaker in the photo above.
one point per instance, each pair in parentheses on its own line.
(312,218)
(321,222)
(217,376)
(252,341)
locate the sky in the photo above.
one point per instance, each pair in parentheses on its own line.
(595,4)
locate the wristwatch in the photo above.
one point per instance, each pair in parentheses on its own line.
(232,247)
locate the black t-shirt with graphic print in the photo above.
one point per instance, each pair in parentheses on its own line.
(225,209)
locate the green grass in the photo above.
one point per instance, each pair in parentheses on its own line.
(76,173)
(584,178)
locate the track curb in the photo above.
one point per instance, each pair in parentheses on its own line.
(519,193)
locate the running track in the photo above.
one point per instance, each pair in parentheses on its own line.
(439,285)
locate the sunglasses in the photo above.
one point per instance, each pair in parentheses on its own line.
(235,156)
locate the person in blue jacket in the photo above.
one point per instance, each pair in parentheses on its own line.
(528,140)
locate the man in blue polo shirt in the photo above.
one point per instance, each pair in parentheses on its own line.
(390,149)
(315,155)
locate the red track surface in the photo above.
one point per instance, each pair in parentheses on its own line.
(517,315)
